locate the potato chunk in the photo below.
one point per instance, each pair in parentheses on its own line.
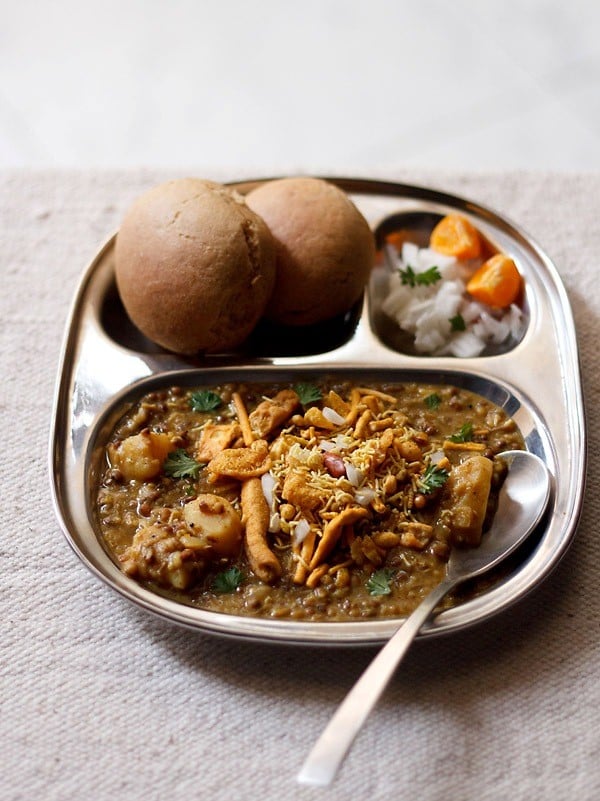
(158,554)
(214,521)
(465,498)
(141,456)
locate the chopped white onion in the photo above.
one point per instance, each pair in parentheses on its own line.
(333,417)
(301,530)
(353,474)
(327,445)
(268,483)
(428,311)
(274,523)
(365,495)
(465,345)
(410,252)
(436,457)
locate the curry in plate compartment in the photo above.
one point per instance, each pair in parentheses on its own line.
(326,500)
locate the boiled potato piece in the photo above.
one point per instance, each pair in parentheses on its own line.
(465,499)
(214,520)
(141,456)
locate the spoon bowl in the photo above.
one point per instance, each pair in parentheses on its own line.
(523,500)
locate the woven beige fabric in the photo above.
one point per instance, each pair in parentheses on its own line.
(100,701)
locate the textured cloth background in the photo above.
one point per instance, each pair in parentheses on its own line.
(101,701)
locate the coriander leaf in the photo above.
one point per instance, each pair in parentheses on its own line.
(308,393)
(227,581)
(407,276)
(464,434)
(458,323)
(204,400)
(433,478)
(379,582)
(433,401)
(180,465)
(410,278)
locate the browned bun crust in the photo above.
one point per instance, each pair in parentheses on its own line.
(325,248)
(195,266)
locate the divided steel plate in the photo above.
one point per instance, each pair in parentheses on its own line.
(106,365)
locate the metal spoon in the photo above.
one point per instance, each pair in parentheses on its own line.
(522,502)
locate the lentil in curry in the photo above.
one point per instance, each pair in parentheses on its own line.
(328,501)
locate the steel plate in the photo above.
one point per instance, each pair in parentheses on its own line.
(106,365)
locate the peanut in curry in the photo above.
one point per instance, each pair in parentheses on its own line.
(328,501)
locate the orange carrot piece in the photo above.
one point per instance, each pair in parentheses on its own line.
(397,238)
(496,283)
(456,236)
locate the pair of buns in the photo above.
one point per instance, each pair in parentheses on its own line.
(197,265)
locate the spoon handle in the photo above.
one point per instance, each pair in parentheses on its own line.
(323,762)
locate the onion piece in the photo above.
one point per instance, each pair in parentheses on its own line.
(327,445)
(332,416)
(268,483)
(365,495)
(301,530)
(436,457)
(274,523)
(353,474)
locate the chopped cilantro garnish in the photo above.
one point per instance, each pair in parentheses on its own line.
(458,323)
(308,393)
(379,582)
(180,464)
(204,400)
(433,401)
(227,581)
(433,478)
(410,278)
(464,434)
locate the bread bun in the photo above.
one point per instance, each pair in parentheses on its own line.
(325,248)
(194,265)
